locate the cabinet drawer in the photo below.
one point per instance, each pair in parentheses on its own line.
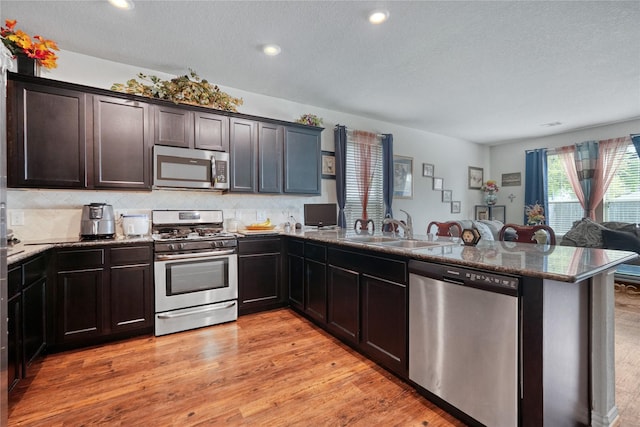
(384,268)
(315,252)
(131,255)
(35,269)
(295,247)
(80,259)
(258,245)
(14,278)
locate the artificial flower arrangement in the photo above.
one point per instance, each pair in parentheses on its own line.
(491,186)
(187,89)
(310,120)
(18,42)
(535,214)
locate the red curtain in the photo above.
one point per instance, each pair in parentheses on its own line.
(365,158)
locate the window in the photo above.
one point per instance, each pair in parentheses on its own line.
(375,205)
(621,202)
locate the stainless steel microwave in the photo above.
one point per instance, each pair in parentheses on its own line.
(188,168)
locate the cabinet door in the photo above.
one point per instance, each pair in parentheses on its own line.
(270,143)
(259,282)
(131,298)
(80,301)
(14,341)
(296,281)
(211,131)
(302,161)
(35,321)
(343,316)
(384,322)
(46,137)
(242,149)
(173,126)
(316,289)
(122,149)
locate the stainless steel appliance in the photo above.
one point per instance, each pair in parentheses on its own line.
(98,221)
(187,168)
(463,339)
(196,270)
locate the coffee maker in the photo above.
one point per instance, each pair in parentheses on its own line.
(98,221)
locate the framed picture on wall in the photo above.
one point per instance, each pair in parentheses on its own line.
(328,165)
(427,169)
(511,179)
(455,207)
(447,196)
(476,178)
(438,183)
(402,177)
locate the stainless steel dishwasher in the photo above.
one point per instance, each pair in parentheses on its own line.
(463,339)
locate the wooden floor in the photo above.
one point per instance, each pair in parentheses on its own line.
(267,369)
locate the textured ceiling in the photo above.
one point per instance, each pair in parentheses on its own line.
(481,71)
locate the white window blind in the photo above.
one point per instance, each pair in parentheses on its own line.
(375,205)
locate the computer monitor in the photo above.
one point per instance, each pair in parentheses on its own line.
(320,214)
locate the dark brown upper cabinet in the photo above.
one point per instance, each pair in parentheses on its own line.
(270,144)
(121,143)
(302,157)
(180,127)
(243,140)
(46,136)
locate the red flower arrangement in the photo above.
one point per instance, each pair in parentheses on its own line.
(19,42)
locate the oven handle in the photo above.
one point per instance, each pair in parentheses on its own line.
(163,257)
(197,311)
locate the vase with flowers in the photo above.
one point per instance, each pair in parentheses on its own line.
(310,120)
(535,214)
(30,53)
(490,189)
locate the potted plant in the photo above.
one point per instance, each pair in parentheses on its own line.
(30,53)
(310,120)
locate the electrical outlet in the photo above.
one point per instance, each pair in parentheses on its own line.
(17,218)
(261,215)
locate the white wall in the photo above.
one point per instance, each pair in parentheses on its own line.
(509,157)
(450,156)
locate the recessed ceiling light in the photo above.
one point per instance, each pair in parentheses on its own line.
(271,49)
(122,4)
(378,16)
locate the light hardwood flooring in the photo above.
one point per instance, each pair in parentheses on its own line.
(267,369)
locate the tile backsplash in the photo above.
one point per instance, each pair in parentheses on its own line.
(57,213)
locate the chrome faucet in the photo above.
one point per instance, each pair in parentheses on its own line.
(407,228)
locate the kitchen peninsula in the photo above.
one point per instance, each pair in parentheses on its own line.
(564,363)
(565,312)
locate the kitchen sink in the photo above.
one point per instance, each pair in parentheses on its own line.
(411,244)
(372,239)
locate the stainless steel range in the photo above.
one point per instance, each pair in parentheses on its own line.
(196,270)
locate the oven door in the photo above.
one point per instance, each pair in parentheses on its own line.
(190,280)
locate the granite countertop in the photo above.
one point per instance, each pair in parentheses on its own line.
(561,263)
(24,250)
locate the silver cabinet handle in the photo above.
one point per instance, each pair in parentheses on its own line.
(195,255)
(197,311)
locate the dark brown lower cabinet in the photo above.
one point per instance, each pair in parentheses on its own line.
(295,272)
(315,281)
(102,293)
(360,297)
(343,316)
(26,315)
(260,284)
(384,322)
